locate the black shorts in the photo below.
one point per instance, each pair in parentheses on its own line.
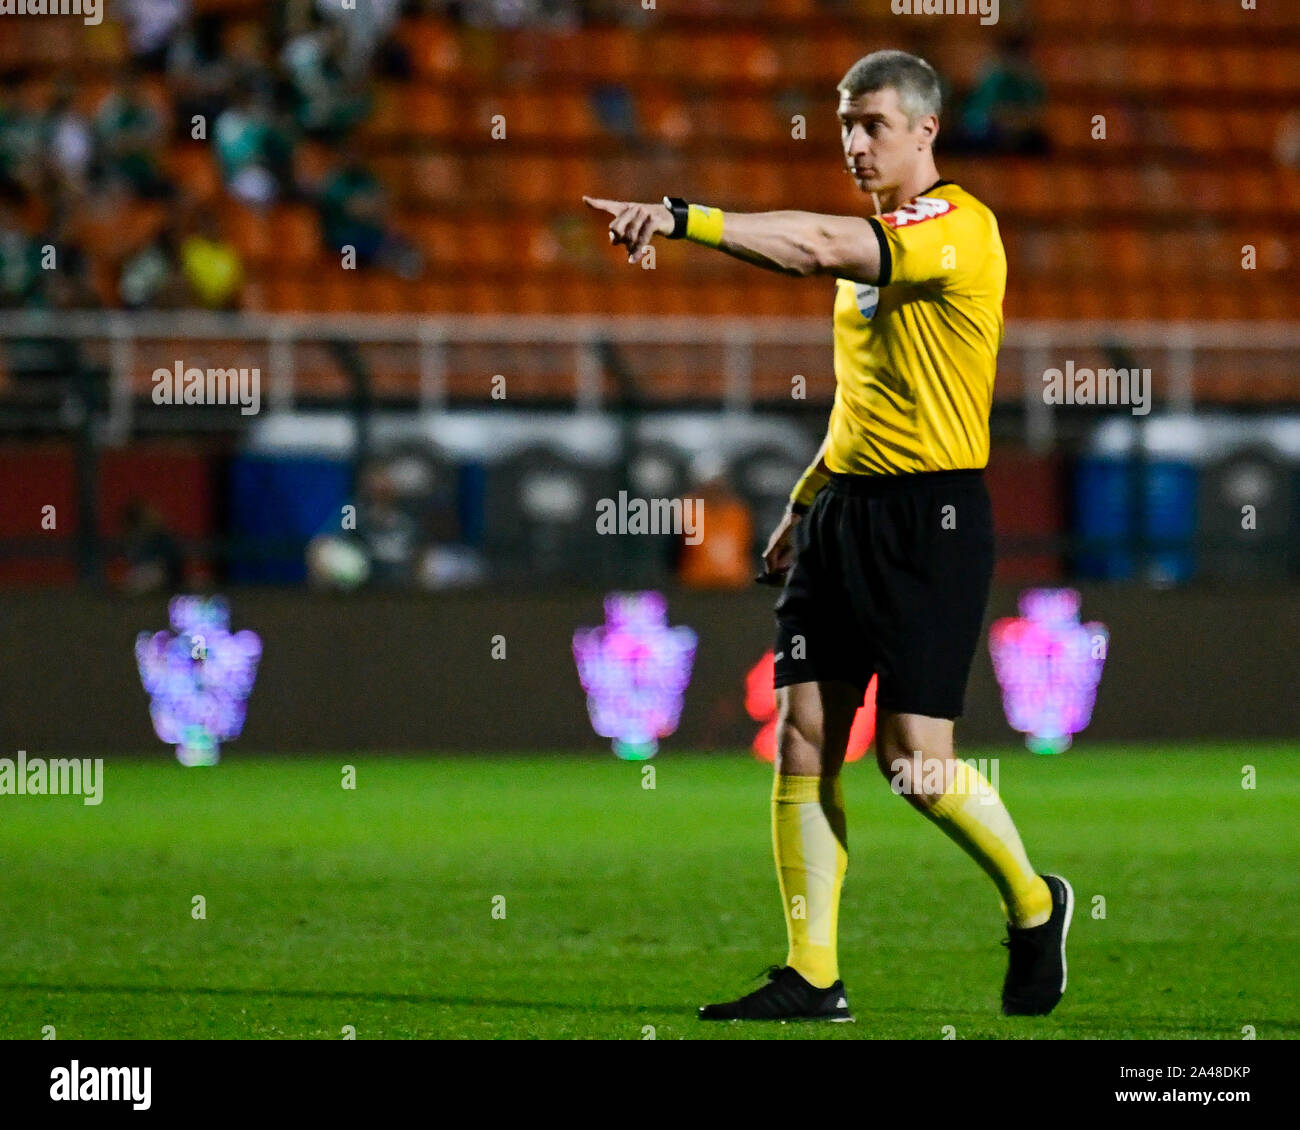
(891,577)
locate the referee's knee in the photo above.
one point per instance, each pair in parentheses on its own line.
(912,752)
(890,757)
(895,746)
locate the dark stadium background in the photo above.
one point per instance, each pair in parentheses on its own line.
(488,367)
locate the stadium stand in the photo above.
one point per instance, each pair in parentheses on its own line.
(1149,222)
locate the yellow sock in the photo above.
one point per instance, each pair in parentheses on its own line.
(810,843)
(972,813)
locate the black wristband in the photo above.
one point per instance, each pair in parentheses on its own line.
(681,214)
(799,508)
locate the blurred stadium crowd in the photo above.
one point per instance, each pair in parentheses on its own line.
(77,161)
(219,153)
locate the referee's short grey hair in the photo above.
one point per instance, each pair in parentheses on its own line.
(914,79)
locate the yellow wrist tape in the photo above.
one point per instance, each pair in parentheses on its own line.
(805,490)
(704,225)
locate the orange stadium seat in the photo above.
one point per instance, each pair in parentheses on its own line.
(527,179)
(609,54)
(1194,301)
(435,295)
(428,112)
(524,296)
(1083,300)
(388,294)
(1203,188)
(280,293)
(571,118)
(1082,254)
(297,235)
(799,59)
(481,297)
(1070,125)
(1250,192)
(1028,186)
(1274,303)
(755,58)
(1275,73)
(252,233)
(553,53)
(491,244)
(628,295)
(434,46)
(1194,128)
(1196,66)
(431,178)
(665,114)
(441,238)
(1121,188)
(741,118)
(195,169)
(124,231)
(1175,256)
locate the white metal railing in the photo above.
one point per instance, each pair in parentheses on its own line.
(1036,345)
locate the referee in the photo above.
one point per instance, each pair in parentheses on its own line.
(886,549)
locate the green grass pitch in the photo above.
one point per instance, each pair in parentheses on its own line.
(627,907)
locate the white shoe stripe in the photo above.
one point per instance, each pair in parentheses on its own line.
(1065,929)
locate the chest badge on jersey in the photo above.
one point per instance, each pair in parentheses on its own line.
(867,297)
(918,211)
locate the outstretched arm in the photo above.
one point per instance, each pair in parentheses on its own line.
(792,243)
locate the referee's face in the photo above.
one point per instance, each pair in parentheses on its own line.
(879,148)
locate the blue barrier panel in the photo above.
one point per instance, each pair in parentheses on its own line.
(277,505)
(1104,519)
(1171,493)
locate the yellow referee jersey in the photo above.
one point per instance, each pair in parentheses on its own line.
(916,355)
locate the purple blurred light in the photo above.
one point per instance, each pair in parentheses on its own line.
(635,670)
(1048,666)
(199,679)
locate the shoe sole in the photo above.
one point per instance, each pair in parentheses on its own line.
(779,1020)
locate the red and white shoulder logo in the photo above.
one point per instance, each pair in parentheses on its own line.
(918,211)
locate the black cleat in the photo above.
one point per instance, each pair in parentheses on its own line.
(786,996)
(1036,973)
